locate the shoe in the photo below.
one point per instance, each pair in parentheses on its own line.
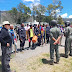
(57,62)
(52,63)
(70,54)
(66,56)
(20,50)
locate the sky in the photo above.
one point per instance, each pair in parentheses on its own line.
(65,13)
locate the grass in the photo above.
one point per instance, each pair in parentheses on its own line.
(41,64)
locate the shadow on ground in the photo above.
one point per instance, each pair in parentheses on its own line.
(45,61)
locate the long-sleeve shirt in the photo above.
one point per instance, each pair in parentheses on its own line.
(5,37)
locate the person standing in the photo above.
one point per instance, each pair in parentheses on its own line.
(13,36)
(31,34)
(47,32)
(55,35)
(6,46)
(39,35)
(68,40)
(27,28)
(44,32)
(22,36)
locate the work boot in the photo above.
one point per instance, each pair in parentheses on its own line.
(66,56)
(57,62)
(70,54)
(51,62)
(22,48)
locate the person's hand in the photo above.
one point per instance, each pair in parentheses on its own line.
(21,39)
(8,44)
(56,42)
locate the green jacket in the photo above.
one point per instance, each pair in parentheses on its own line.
(54,32)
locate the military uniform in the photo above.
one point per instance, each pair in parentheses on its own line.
(22,37)
(5,38)
(68,41)
(54,33)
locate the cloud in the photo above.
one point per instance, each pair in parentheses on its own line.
(28,0)
(58,11)
(64,15)
(70,16)
(31,1)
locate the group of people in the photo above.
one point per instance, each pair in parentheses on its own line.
(28,32)
(43,32)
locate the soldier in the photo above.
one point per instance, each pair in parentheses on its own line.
(6,46)
(55,35)
(22,36)
(68,40)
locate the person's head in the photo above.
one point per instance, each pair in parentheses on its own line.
(22,25)
(38,25)
(67,23)
(43,25)
(30,26)
(27,25)
(6,24)
(53,23)
(11,27)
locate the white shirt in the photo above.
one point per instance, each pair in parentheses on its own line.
(26,28)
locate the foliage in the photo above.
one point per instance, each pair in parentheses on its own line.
(22,12)
(52,8)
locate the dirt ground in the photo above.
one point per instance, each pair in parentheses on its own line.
(38,60)
(41,63)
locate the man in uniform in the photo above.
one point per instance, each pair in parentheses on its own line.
(6,46)
(68,40)
(55,35)
(22,36)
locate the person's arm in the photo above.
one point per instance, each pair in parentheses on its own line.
(57,41)
(53,39)
(29,33)
(51,36)
(18,31)
(59,37)
(2,35)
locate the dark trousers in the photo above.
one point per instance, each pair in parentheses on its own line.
(30,42)
(6,53)
(22,43)
(47,37)
(39,40)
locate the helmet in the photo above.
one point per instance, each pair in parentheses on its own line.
(53,23)
(67,23)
